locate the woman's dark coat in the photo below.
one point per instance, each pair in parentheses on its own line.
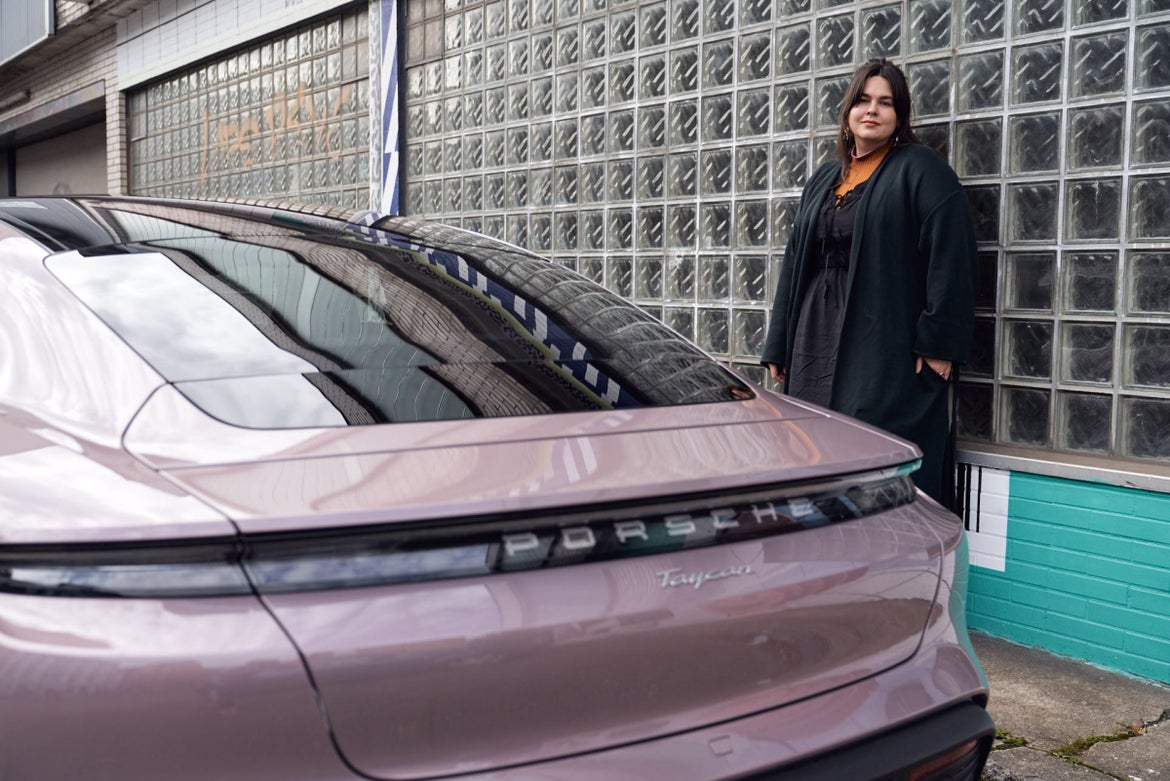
(911,291)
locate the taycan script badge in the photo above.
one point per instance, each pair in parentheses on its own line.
(673,578)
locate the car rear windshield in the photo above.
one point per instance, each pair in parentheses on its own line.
(273,325)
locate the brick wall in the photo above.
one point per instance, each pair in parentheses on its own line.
(1086,574)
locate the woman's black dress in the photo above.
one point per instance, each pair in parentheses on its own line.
(818,330)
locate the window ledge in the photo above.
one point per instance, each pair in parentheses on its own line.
(1144,475)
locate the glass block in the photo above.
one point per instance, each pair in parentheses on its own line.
(1096,136)
(1098,64)
(791,108)
(652,77)
(651,173)
(652,25)
(1036,73)
(1090,281)
(935,137)
(593,87)
(591,135)
(682,175)
(751,169)
(623,33)
(986,295)
(540,97)
(566,137)
(592,268)
(541,233)
(835,41)
(1032,211)
(567,85)
(1087,352)
(719,16)
(714,225)
(684,122)
(930,84)
(591,234)
(981,360)
(783,216)
(714,278)
(719,64)
(540,186)
(791,7)
(1147,356)
(753,110)
(619,275)
(790,164)
(1100,11)
(881,32)
(519,15)
(793,50)
(1034,16)
(516,189)
(681,226)
(975,411)
(1094,209)
(621,131)
(977,146)
(1151,132)
(495,63)
(1029,281)
(1026,413)
(980,81)
(718,118)
(751,328)
(712,331)
(1034,143)
(542,52)
(715,168)
(750,282)
(751,223)
(1152,66)
(685,19)
(621,229)
(830,94)
(568,9)
(754,12)
(568,47)
(1145,427)
(981,20)
(684,70)
(593,40)
(680,277)
(621,180)
(565,231)
(680,320)
(648,279)
(565,185)
(1027,349)
(984,202)
(592,183)
(1084,422)
(755,57)
(1149,203)
(541,142)
(1145,7)
(1148,282)
(623,82)
(930,25)
(652,127)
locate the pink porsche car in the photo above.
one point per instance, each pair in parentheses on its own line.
(296,494)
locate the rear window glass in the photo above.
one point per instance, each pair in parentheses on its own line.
(287,327)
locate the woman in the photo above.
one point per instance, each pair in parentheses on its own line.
(874,307)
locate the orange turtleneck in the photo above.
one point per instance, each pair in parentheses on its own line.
(860,169)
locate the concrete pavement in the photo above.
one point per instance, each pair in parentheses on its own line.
(1062,720)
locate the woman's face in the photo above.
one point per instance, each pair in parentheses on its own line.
(872,118)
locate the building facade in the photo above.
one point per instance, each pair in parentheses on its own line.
(660,147)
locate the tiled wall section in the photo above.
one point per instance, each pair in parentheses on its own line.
(1087,574)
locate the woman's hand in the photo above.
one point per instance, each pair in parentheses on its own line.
(940,367)
(777,373)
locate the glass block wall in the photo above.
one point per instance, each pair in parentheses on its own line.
(660,148)
(285,118)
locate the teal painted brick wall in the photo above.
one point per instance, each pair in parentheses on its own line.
(1087,575)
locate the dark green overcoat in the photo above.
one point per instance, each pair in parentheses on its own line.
(911,286)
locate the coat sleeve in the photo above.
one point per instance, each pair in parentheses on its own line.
(776,344)
(947,244)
